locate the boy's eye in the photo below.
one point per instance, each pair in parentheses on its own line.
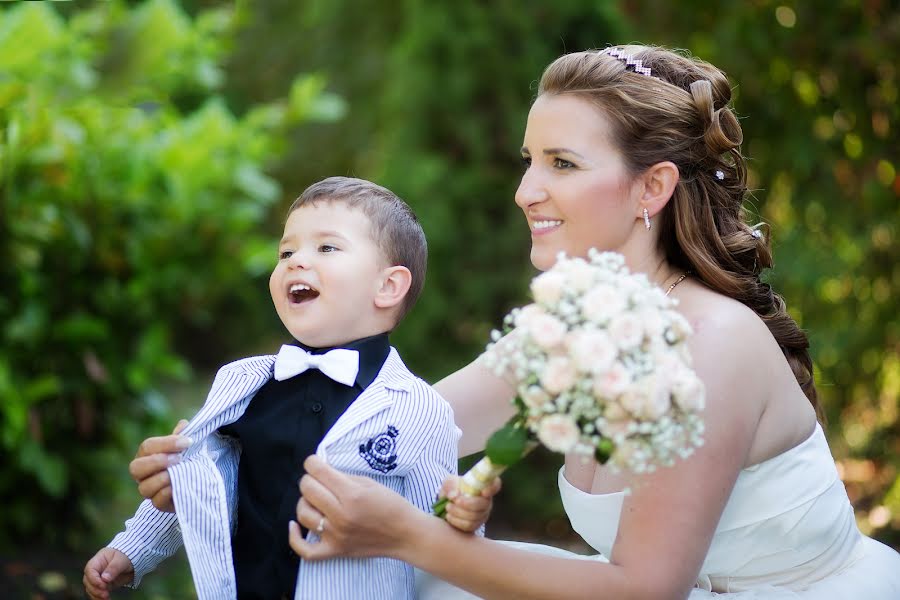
(561,163)
(285,254)
(327,248)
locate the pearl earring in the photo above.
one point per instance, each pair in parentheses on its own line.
(647,219)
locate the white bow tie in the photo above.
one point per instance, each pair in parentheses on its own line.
(341,365)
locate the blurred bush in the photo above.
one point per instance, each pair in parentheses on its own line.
(133,202)
(438,95)
(143,145)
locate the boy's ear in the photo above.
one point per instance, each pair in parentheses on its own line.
(395,282)
(659,185)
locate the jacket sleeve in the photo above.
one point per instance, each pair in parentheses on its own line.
(150,537)
(439,454)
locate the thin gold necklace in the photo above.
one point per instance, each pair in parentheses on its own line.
(677,281)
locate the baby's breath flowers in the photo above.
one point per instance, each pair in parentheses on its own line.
(601,369)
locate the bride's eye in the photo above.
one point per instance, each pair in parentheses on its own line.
(561,163)
(526,162)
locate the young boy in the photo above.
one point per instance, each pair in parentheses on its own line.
(350,265)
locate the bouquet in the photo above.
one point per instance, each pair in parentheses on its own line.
(600,365)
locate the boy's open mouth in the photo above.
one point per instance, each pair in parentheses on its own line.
(300,292)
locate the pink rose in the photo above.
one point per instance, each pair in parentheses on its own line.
(626,331)
(612,382)
(648,399)
(592,351)
(558,375)
(688,390)
(602,303)
(558,433)
(546,330)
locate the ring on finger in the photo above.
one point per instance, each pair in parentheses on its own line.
(320,528)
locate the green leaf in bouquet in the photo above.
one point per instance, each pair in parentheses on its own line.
(507,445)
(604,450)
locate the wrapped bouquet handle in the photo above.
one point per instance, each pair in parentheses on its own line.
(601,369)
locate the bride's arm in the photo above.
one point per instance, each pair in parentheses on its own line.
(665,528)
(481,404)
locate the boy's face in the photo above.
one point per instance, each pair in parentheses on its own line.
(328,273)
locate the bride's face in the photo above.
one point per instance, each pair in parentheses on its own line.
(576,192)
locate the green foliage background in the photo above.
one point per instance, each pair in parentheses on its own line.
(148,151)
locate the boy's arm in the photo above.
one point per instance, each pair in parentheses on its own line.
(150,536)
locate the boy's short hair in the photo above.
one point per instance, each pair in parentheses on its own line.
(395,228)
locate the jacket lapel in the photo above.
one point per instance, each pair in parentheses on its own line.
(234,383)
(393,376)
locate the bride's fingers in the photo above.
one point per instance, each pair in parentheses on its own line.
(308,550)
(316,494)
(307,515)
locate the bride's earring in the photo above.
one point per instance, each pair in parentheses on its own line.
(647,219)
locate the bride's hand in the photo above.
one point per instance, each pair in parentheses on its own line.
(353,516)
(468,513)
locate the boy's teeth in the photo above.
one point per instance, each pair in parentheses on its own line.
(545,224)
(299,287)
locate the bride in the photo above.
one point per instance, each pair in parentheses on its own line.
(636,149)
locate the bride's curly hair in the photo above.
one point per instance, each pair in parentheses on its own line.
(680,112)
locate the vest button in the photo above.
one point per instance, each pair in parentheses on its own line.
(317,407)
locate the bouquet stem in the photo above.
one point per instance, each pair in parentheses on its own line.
(477,479)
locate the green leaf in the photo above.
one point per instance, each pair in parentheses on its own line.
(507,445)
(604,450)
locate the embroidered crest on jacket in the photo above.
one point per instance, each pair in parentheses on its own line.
(381,450)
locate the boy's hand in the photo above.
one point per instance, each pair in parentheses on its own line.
(106,571)
(468,513)
(148,469)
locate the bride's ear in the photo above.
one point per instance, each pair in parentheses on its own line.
(659,183)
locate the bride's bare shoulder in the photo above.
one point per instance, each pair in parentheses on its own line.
(721,319)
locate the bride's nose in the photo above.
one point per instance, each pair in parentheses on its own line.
(531,190)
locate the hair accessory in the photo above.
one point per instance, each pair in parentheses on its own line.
(720,175)
(757,234)
(631,63)
(647,219)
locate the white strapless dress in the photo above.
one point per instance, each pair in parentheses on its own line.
(787,533)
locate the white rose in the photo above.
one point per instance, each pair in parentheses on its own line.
(580,274)
(592,351)
(547,288)
(527,314)
(626,330)
(612,382)
(654,326)
(649,399)
(688,390)
(558,433)
(534,397)
(546,330)
(602,303)
(558,375)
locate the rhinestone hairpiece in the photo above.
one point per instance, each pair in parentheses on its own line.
(631,63)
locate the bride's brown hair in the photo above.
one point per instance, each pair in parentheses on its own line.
(680,112)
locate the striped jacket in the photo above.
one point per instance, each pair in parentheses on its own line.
(399,432)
